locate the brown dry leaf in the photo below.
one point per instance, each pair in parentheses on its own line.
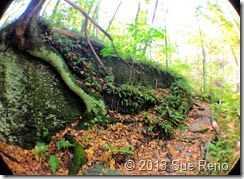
(112,164)
(104,171)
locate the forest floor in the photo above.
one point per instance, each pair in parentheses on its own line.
(179,154)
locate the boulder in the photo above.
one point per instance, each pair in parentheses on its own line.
(99,169)
(34,101)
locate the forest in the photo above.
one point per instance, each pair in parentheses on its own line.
(120,87)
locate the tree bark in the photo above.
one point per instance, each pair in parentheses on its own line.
(25,20)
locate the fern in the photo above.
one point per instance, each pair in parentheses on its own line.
(53,161)
(41,149)
(122,150)
(62,144)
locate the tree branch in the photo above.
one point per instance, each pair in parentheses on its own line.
(89,18)
(94,52)
(99,27)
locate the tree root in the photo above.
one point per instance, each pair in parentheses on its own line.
(93,105)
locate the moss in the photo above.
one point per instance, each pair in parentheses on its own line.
(93,104)
(79,158)
(34,102)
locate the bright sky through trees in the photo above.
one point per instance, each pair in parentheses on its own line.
(177,15)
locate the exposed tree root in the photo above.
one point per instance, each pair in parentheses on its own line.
(49,55)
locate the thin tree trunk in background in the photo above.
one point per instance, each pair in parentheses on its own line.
(45,8)
(204,60)
(95,14)
(55,10)
(88,12)
(199,76)
(166,47)
(96,18)
(136,23)
(110,22)
(211,79)
(155,9)
(137,13)
(146,44)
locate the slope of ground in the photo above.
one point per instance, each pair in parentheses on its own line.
(128,147)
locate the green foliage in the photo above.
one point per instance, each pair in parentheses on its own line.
(53,161)
(79,158)
(41,149)
(167,127)
(142,36)
(135,97)
(122,150)
(227,115)
(182,127)
(171,112)
(95,120)
(62,144)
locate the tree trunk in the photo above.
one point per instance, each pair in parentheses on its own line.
(89,11)
(45,8)
(4,7)
(33,45)
(136,24)
(166,47)
(204,60)
(24,22)
(155,9)
(95,13)
(110,22)
(55,10)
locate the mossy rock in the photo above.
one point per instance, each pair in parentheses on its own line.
(34,101)
(79,158)
(101,170)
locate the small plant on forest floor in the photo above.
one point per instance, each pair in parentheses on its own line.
(182,127)
(53,161)
(62,144)
(41,149)
(122,150)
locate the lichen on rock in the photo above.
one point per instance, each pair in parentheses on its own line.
(34,102)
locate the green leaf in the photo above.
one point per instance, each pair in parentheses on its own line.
(62,144)
(40,148)
(53,161)
(181,127)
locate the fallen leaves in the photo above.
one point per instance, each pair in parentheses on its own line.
(184,147)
